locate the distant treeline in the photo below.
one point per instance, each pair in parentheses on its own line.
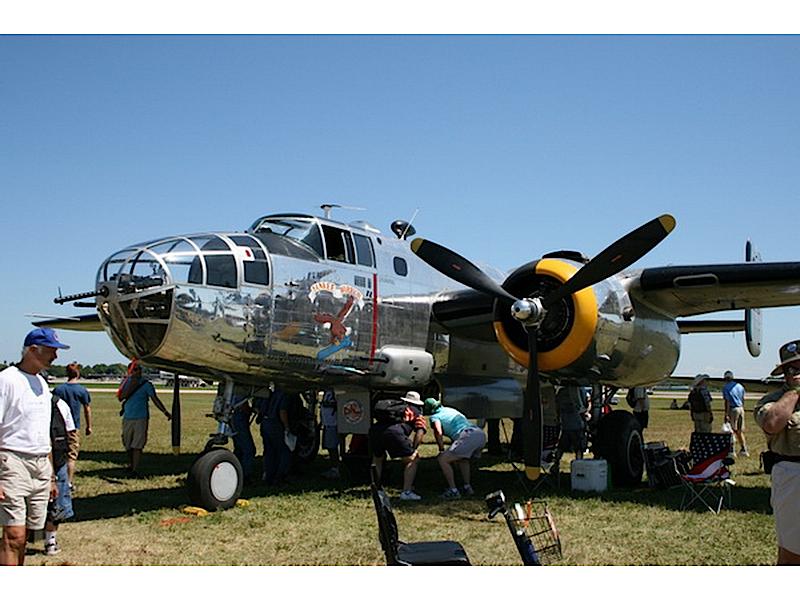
(98,370)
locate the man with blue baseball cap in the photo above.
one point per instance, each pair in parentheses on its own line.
(26,471)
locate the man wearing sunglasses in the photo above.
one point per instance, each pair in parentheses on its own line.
(778,415)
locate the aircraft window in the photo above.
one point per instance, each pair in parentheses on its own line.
(182,260)
(111,267)
(400,266)
(208,242)
(256,268)
(305,232)
(364,250)
(221,270)
(338,242)
(146,267)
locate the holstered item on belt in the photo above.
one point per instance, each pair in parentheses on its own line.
(770,458)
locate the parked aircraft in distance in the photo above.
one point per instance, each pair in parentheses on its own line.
(309,303)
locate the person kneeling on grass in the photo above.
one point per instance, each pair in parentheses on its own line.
(467,443)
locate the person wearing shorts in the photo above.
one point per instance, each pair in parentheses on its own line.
(778,415)
(733,394)
(467,443)
(136,417)
(26,472)
(393,439)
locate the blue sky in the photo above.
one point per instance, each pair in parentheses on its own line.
(509,147)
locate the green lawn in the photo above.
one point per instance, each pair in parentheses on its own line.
(121,521)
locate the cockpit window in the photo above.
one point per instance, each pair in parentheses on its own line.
(210,242)
(338,244)
(305,232)
(256,267)
(221,270)
(363,250)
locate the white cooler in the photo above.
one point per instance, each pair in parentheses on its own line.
(589,475)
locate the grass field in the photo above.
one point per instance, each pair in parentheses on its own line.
(312,521)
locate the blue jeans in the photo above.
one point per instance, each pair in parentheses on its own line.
(277,458)
(60,509)
(244,448)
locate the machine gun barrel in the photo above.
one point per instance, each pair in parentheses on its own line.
(103,291)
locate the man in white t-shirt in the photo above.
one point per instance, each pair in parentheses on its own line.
(26,473)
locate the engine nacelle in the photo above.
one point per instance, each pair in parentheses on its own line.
(595,335)
(403,367)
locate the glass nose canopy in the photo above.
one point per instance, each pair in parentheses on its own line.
(144,277)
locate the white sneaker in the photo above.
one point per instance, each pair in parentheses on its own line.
(409,495)
(467,490)
(52,549)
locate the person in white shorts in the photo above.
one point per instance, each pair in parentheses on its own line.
(26,471)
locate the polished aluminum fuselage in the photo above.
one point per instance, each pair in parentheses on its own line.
(314,322)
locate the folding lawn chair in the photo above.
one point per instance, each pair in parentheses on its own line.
(399,553)
(708,482)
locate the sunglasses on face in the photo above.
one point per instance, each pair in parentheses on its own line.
(792,370)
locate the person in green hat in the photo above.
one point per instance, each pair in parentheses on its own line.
(467,441)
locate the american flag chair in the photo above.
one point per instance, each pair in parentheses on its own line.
(708,482)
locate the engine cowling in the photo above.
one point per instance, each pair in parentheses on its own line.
(596,334)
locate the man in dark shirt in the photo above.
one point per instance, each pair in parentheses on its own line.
(76,396)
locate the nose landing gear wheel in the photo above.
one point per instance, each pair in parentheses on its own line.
(215,480)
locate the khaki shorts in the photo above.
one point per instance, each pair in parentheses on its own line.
(785,500)
(73,444)
(134,433)
(25,480)
(737,418)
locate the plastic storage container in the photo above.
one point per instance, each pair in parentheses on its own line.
(589,475)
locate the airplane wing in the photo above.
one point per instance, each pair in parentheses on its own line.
(90,322)
(695,290)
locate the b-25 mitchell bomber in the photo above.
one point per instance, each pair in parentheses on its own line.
(306,302)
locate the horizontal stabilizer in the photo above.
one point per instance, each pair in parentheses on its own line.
(90,322)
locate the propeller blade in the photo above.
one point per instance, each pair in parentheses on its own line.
(458,268)
(532,413)
(616,257)
(176,416)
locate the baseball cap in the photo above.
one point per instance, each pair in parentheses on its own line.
(700,377)
(44,336)
(789,352)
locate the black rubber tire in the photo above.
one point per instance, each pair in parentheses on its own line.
(307,445)
(619,441)
(204,488)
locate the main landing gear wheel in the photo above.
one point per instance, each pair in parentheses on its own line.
(619,441)
(215,480)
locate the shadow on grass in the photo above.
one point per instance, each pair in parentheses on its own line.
(308,478)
